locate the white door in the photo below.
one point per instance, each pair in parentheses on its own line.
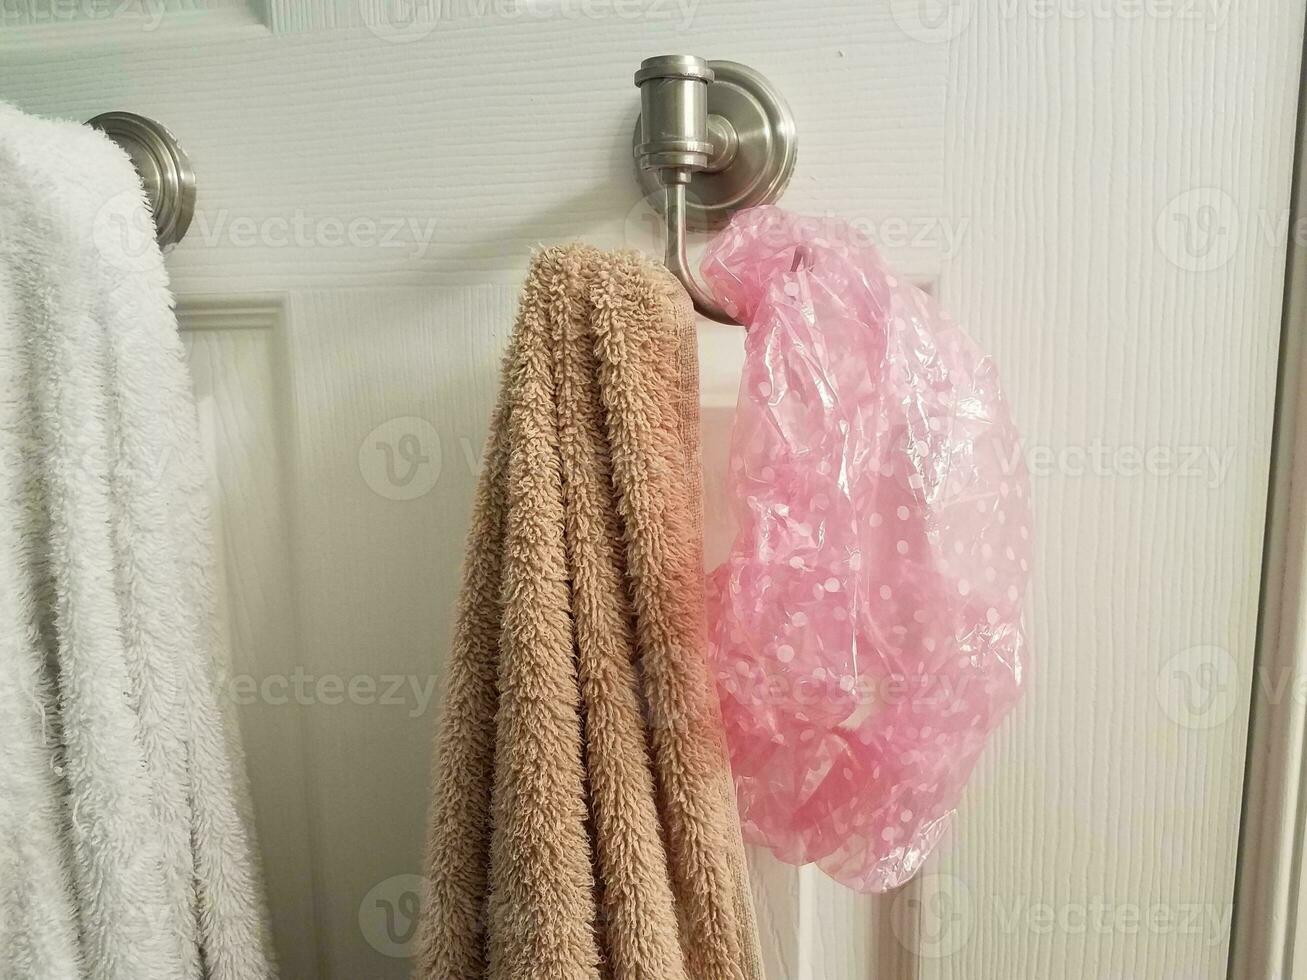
(1093,186)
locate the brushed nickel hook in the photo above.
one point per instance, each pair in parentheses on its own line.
(163,166)
(713,137)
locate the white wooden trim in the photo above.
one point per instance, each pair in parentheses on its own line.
(236,351)
(1268,916)
(256,312)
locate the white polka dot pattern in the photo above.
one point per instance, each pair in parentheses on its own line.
(866,628)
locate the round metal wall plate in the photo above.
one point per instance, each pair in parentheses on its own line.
(764,157)
(165,170)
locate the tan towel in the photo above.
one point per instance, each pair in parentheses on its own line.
(584,823)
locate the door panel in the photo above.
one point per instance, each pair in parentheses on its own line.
(1128,180)
(237,364)
(1094,192)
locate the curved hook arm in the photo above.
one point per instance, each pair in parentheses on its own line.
(676,259)
(718,119)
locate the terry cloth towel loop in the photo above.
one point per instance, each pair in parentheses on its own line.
(125,851)
(584,821)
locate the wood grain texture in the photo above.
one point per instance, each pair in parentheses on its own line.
(1270,927)
(452,156)
(386,471)
(237,376)
(1111,800)
(82,25)
(1022,161)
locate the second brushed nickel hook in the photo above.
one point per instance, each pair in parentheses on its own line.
(713,137)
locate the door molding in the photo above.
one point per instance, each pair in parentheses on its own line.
(257,311)
(236,353)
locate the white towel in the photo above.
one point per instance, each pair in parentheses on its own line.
(123,852)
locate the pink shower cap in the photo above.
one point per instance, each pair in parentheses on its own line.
(865,630)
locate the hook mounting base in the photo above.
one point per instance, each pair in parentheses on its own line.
(164,168)
(754,146)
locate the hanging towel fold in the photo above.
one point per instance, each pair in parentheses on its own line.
(124,852)
(584,822)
